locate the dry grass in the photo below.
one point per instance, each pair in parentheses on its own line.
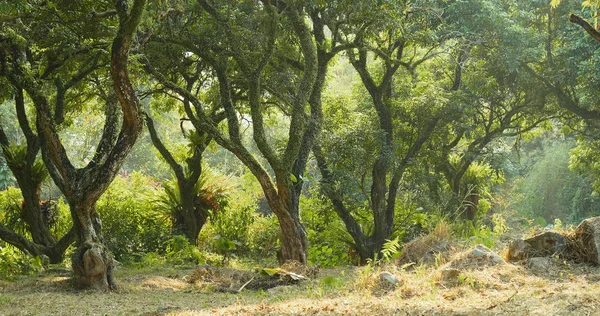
(566,289)
(427,249)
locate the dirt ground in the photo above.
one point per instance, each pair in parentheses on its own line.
(561,289)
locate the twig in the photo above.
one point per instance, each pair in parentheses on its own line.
(243,286)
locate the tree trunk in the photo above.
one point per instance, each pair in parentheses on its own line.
(35,220)
(191,218)
(293,238)
(92,263)
(32,212)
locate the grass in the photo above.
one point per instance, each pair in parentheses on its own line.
(508,289)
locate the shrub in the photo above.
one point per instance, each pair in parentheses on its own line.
(10,210)
(263,236)
(131,224)
(181,252)
(241,224)
(329,242)
(14,262)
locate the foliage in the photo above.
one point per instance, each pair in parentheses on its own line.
(253,233)
(263,236)
(233,225)
(57,214)
(14,262)
(10,210)
(179,251)
(391,249)
(16,157)
(476,234)
(551,190)
(329,243)
(224,247)
(62,221)
(209,196)
(6,178)
(131,223)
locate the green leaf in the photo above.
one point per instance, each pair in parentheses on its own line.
(540,221)
(270,271)
(293,177)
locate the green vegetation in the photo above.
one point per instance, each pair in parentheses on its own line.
(252,134)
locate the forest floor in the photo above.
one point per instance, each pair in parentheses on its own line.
(560,289)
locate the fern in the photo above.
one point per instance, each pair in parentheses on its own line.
(390,248)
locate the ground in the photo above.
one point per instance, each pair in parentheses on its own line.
(562,289)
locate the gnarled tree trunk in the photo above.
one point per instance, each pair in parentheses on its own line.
(92,263)
(293,237)
(82,187)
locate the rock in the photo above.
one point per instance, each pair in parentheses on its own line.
(539,264)
(587,241)
(449,275)
(481,251)
(517,250)
(389,278)
(546,244)
(479,256)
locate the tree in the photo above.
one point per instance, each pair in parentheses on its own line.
(92,263)
(496,99)
(386,58)
(496,105)
(30,172)
(189,202)
(570,72)
(260,54)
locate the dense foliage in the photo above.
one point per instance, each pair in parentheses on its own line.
(327,132)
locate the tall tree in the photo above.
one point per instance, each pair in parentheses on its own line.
(92,263)
(390,44)
(261,54)
(187,199)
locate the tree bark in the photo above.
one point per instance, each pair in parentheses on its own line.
(92,263)
(192,217)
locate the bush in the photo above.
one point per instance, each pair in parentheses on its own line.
(329,242)
(14,262)
(263,236)
(10,214)
(10,210)
(181,252)
(132,226)
(253,234)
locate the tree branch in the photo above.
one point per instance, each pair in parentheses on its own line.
(164,152)
(576,19)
